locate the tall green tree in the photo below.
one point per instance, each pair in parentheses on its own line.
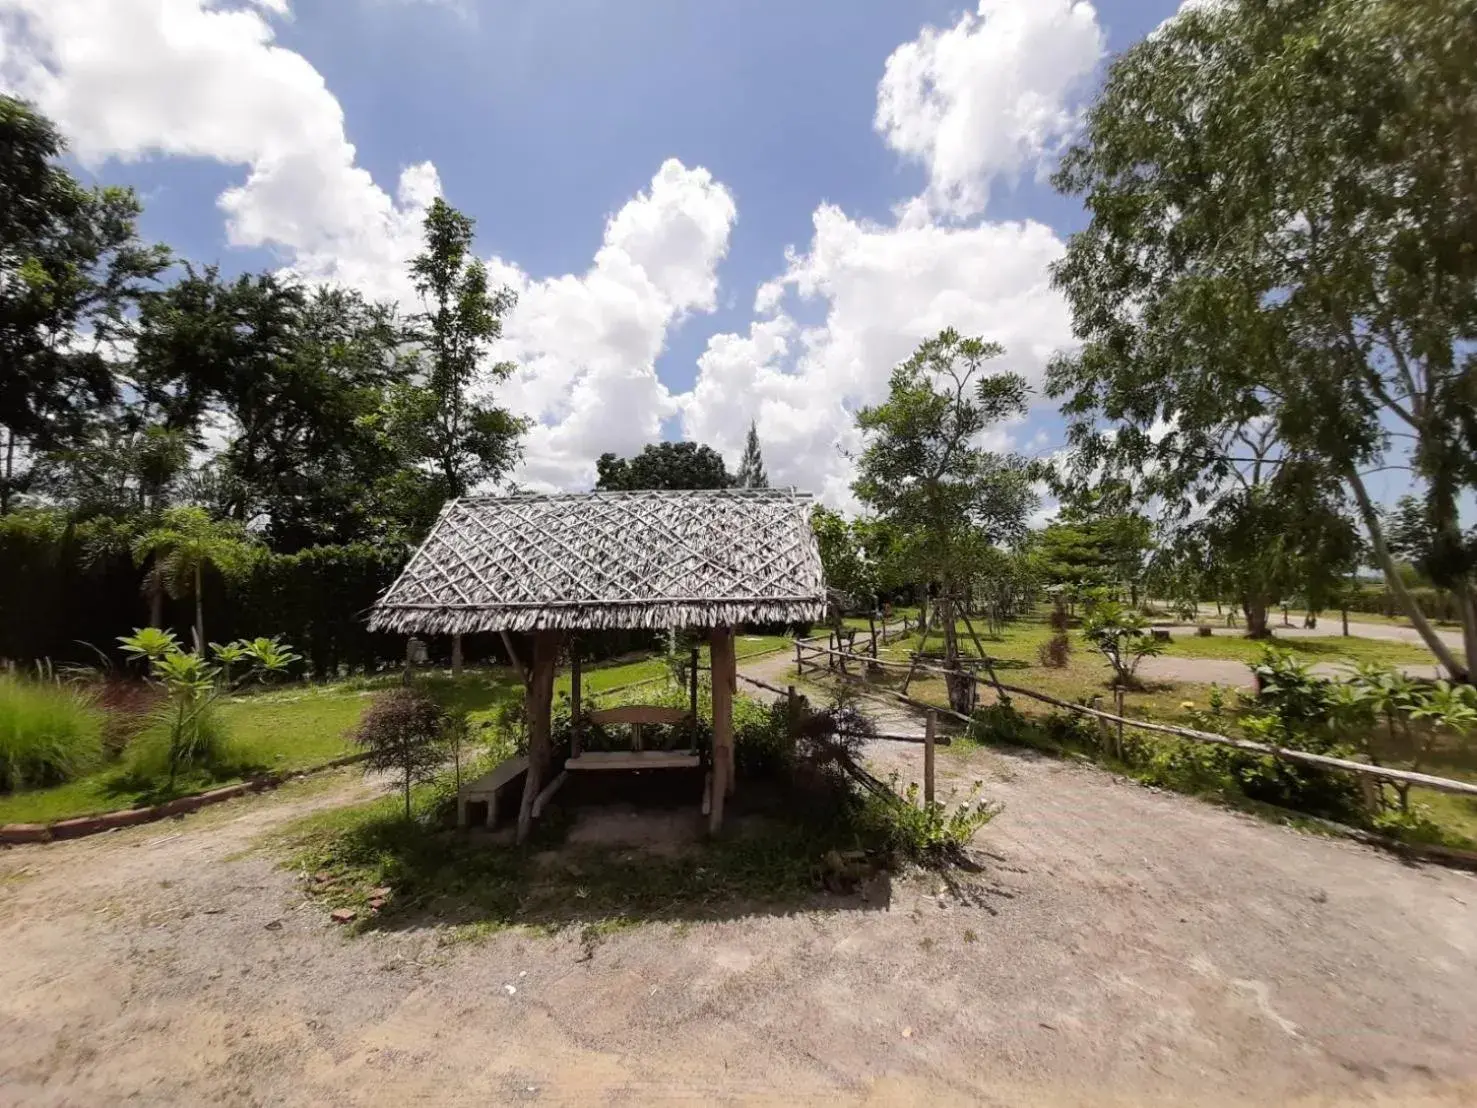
(465,442)
(183,547)
(311,458)
(71,265)
(664,465)
(1094,546)
(1283,198)
(844,559)
(924,473)
(751,473)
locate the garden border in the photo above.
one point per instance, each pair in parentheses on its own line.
(16,834)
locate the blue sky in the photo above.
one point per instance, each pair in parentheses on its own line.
(637,171)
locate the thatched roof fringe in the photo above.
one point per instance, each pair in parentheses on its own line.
(654,616)
(611,560)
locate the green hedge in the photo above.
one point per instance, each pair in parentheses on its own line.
(1435,603)
(66,594)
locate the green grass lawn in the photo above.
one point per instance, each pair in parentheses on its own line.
(1019,642)
(281,730)
(300,726)
(1333,648)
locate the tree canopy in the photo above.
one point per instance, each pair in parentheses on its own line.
(947,499)
(751,473)
(71,265)
(1283,199)
(664,465)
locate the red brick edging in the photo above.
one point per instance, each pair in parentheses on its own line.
(108,821)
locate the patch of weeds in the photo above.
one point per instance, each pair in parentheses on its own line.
(931,833)
(970,936)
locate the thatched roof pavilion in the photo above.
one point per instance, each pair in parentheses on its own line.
(557,564)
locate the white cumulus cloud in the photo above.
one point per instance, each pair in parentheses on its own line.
(885,290)
(128,79)
(989,96)
(586,345)
(986,98)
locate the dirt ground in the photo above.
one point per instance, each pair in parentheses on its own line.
(1122,946)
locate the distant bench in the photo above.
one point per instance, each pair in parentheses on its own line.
(488,788)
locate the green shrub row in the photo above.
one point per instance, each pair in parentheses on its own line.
(70,590)
(1378,600)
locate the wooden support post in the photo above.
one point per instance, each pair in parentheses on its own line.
(576,705)
(513,657)
(456,655)
(929,734)
(692,690)
(792,717)
(872,626)
(724,679)
(539,700)
(1118,711)
(799,663)
(405,674)
(1000,693)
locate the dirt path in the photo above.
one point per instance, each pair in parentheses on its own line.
(1124,947)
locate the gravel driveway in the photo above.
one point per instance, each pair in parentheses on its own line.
(1121,946)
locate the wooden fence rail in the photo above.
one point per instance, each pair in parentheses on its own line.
(1409,777)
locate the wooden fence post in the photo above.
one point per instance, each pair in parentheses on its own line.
(692,689)
(799,665)
(576,739)
(928,739)
(1118,711)
(792,717)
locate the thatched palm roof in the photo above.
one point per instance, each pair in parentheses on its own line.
(611,559)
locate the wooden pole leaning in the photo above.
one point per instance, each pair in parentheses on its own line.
(576,712)
(538,703)
(725,679)
(929,735)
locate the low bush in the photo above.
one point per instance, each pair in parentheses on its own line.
(152,754)
(405,732)
(927,832)
(762,747)
(1055,652)
(50,732)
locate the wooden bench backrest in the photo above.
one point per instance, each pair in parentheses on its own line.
(638,713)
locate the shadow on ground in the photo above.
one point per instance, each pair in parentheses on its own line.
(615,851)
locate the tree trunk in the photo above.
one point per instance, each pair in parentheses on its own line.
(1407,602)
(957,684)
(538,699)
(1256,618)
(199,609)
(1468,600)
(9,472)
(156,602)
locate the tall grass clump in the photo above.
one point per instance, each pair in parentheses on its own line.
(157,752)
(49,733)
